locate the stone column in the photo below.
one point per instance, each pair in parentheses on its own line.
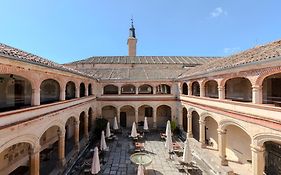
(202,89)
(35,97)
(257,94)
(154,89)
(154,118)
(62,93)
(35,161)
(136,117)
(86,125)
(189,125)
(202,125)
(189,87)
(221,91)
(222,146)
(118,116)
(61,149)
(86,91)
(258,161)
(77,92)
(76,136)
(137,90)
(180,118)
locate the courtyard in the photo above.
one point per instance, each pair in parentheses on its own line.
(117,161)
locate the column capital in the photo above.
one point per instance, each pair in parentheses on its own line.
(76,123)
(221,87)
(202,122)
(256,148)
(256,87)
(221,131)
(35,150)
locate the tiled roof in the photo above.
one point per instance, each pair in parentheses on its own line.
(266,52)
(146,60)
(134,73)
(18,54)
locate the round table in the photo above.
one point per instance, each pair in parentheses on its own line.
(141,159)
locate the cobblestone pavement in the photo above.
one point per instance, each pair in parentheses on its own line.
(117,160)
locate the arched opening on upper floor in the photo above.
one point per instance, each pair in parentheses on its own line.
(15,92)
(184,89)
(195,88)
(17,155)
(195,125)
(272,157)
(163,89)
(49,91)
(69,135)
(238,89)
(127,116)
(184,119)
(49,157)
(211,132)
(108,113)
(70,90)
(145,111)
(211,89)
(110,89)
(145,89)
(82,118)
(82,90)
(90,119)
(271,89)
(90,90)
(128,89)
(238,145)
(163,113)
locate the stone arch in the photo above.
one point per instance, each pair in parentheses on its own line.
(163,114)
(145,110)
(163,89)
(58,123)
(128,89)
(211,88)
(211,130)
(70,89)
(109,112)
(184,88)
(184,118)
(82,89)
(195,118)
(49,91)
(224,123)
(195,87)
(145,89)
(260,139)
(270,92)
(263,75)
(33,140)
(90,118)
(110,89)
(238,89)
(127,115)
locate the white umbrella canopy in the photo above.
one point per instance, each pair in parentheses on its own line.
(96,162)
(145,125)
(186,152)
(167,126)
(140,170)
(134,130)
(103,145)
(169,141)
(107,134)
(115,125)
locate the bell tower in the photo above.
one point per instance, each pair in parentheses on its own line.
(132,41)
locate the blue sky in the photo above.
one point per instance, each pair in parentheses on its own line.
(68,30)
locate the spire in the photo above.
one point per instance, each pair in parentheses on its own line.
(132,29)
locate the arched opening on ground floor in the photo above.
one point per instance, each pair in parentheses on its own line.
(271,89)
(272,158)
(90,119)
(82,125)
(49,150)
(108,113)
(15,92)
(145,111)
(195,125)
(127,116)
(184,119)
(17,155)
(69,135)
(211,131)
(163,114)
(238,145)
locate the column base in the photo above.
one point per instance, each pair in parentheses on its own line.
(203,145)
(189,135)
(154,125)
(77,147)
(224,162)
(62,162)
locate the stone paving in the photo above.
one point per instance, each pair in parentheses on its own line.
(117,160)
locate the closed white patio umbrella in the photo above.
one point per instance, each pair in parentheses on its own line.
(107,134)
(186,152)
(115,124)
(103,145)
(134,130)
(168,124)
(169,142)
(145,125)
(140,170)
(96,162)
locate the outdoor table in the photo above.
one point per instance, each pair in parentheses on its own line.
(141,159)
(139,146)
(176,146)
(163,135)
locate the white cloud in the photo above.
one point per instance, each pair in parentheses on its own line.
(218,12)
(231,50)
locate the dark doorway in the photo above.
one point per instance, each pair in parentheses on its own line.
(123,119)
(22,170)
(272,158)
